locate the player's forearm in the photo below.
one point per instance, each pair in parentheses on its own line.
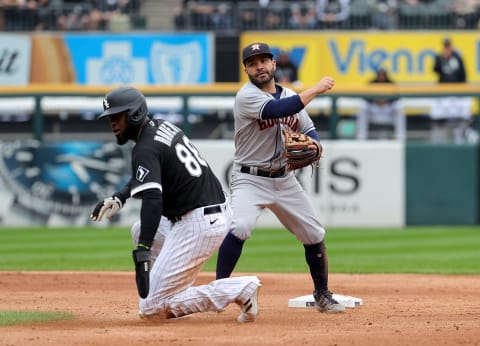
(325,84)
(150,214)
(308,95)
(124,194)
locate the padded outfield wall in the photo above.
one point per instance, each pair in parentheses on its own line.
(358,184)
(442,184)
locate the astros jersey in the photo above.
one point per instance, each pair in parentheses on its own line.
(259,142)
(163,158)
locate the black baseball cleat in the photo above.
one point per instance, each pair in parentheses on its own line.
(324,302)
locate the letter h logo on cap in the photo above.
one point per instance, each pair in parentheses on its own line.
(255,49)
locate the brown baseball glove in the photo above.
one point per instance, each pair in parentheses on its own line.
(301,150)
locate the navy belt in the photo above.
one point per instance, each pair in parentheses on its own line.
(261,173)
(206,211)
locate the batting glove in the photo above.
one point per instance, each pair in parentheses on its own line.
(110,206)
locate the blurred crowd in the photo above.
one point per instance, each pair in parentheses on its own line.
(29,15)
(327,14)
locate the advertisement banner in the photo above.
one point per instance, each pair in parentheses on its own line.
(158,59)
(358,184)
(58,183)
(14,59)
(352,57)
(107,59)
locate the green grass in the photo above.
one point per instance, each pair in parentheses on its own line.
(435,250)
(10,318)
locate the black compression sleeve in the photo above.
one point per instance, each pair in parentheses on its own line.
(150,214)
(314,135)
(124,194)
(283,107)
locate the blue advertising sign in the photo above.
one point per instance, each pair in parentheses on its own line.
(142,59)
(62,178)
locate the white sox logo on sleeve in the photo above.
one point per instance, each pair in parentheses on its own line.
(142,172)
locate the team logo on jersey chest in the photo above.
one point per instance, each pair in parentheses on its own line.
(290,121)
(142,172)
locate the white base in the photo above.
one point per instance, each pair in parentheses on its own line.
(309,302)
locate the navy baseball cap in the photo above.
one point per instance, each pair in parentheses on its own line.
(255,49)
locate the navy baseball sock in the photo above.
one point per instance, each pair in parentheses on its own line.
(317,260)
(228,255)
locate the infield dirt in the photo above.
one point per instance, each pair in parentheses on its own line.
(397,310)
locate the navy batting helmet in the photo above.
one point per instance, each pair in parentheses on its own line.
(125,99)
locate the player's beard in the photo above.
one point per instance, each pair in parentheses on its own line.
(129,133)
(260,82)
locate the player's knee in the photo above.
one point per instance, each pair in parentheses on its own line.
(322,233)
(241,229)
(319,236)
(135,231)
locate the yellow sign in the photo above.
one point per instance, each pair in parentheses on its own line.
(352,57)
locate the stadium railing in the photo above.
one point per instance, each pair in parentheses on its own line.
(42,101)
(250,15)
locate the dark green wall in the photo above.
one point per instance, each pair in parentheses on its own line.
(441,184)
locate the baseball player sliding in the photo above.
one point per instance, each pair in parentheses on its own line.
(172,179)
(262,111)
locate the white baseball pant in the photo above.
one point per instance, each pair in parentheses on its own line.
(179,252)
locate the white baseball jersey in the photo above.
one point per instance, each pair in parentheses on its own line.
(389,114)
(451,108)
(259,148)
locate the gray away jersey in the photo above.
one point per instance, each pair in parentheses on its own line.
(260,142)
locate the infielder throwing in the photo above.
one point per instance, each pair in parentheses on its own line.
(262,110)
(172,179)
